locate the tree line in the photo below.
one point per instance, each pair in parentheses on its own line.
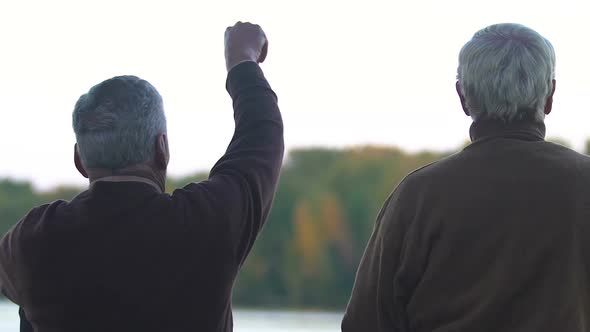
(323,215)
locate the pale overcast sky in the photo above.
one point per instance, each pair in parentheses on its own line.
(346,72)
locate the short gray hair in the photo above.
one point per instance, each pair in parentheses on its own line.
(506,72)
(117,122)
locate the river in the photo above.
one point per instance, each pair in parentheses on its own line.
(245,320)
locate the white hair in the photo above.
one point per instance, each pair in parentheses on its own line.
(505,72)
(117,123)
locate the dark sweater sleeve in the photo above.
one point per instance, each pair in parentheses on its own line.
(7,264)
(25,325)
(242,184)
(377,301)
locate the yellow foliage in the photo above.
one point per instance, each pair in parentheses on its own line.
(307,238)
(336,228)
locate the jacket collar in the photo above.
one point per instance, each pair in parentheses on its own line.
(527,130)
(126,178)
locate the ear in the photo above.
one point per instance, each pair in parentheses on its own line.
(162,152)
(549,101)
(78,162)
(462,98)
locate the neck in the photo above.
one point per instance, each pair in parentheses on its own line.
(525,129)
(131,173)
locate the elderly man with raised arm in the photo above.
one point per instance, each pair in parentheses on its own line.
(495,237)
(125,256)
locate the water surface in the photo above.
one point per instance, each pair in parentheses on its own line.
(245,320)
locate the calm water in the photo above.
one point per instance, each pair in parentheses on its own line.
(244,320)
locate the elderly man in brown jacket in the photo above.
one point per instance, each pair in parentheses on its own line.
(493,238)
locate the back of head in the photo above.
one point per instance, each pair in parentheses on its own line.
(117,122)
(505,72)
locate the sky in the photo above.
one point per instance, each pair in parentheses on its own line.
(347,73)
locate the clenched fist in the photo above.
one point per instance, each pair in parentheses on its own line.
(244,42)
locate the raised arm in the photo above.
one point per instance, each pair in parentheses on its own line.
(246,176)
(242,184)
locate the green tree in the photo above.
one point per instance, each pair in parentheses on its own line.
(323,215)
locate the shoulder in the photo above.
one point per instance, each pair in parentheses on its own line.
(197,198)
(412,188)
(32,222)
(37,214)
(190,192)
(563,162)
(25,229)
(568,153)
(571,162)
(428,175)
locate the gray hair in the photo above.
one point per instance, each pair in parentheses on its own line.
(506,72)
(117,122)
